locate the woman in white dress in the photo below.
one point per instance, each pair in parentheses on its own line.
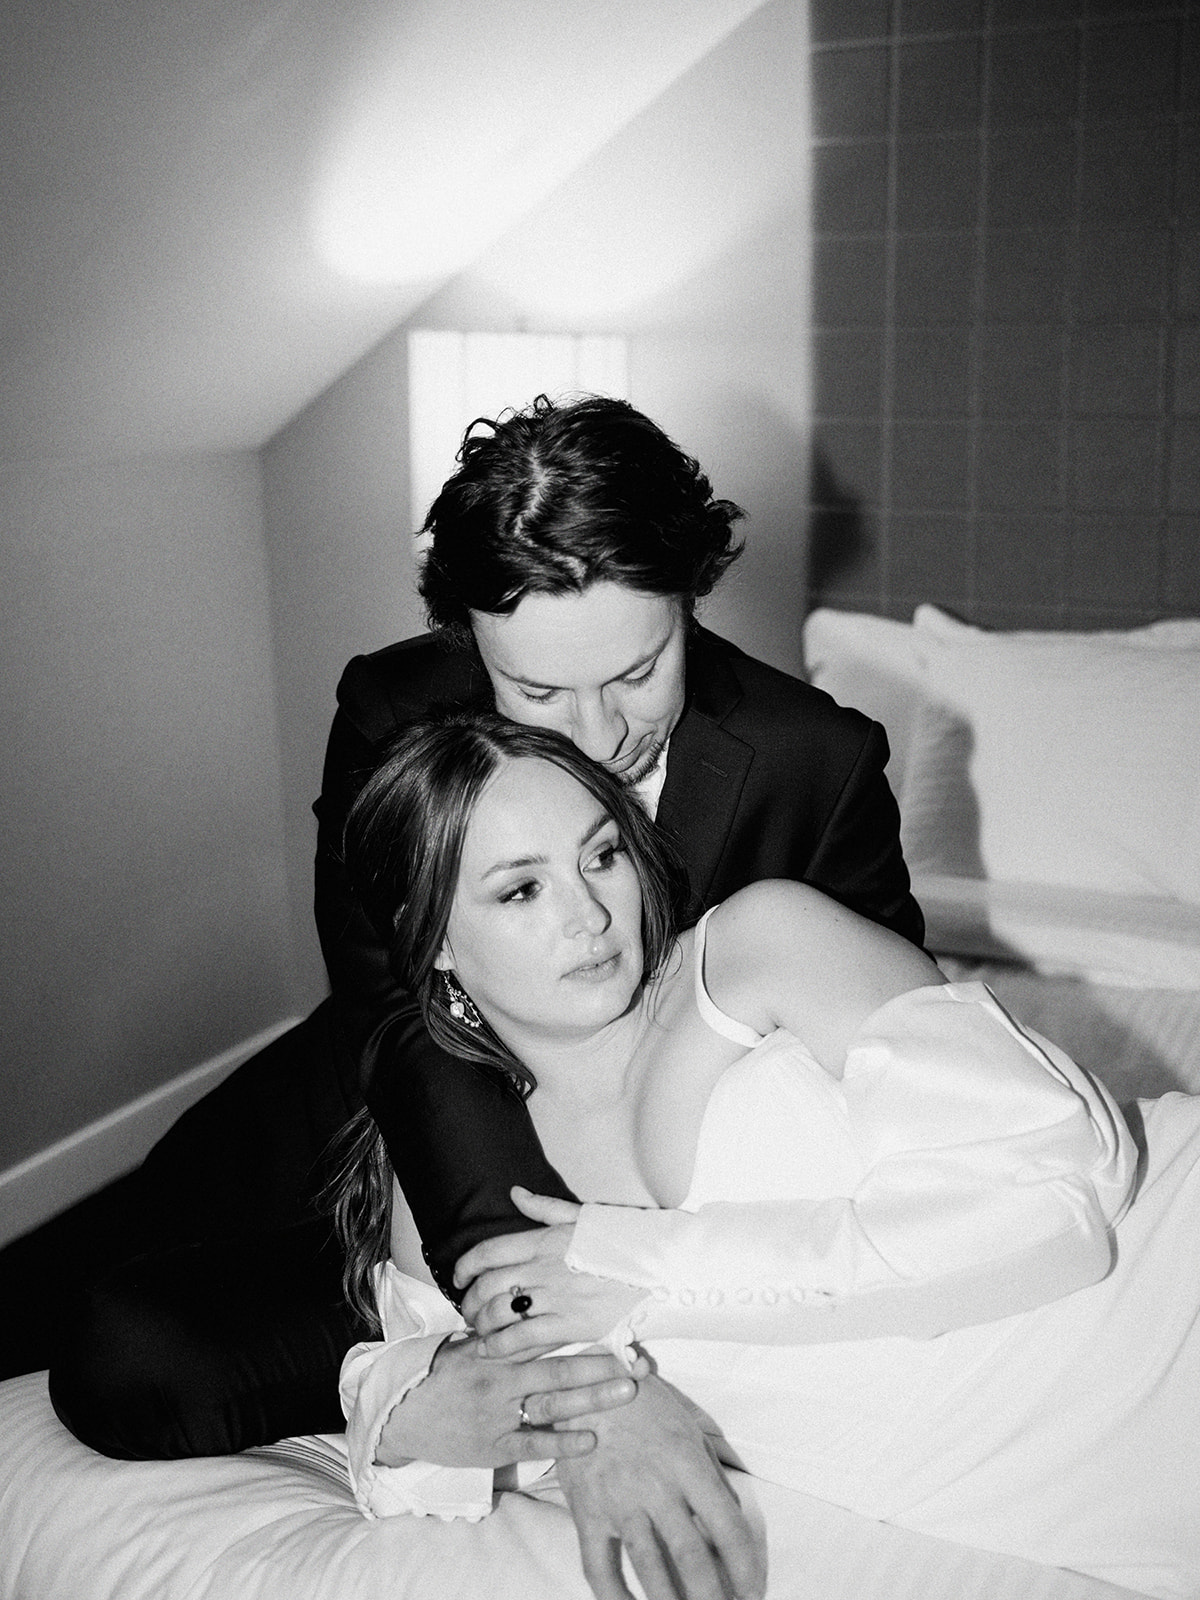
(884,1236)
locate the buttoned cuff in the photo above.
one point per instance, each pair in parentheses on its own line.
(690,1273)
(375,1378)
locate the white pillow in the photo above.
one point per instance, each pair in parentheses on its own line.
(869,663)
(1070,759)
(256,1527)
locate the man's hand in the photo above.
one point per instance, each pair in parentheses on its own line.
(467,1411)
(653,1487)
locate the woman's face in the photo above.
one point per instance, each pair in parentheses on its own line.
(545,928)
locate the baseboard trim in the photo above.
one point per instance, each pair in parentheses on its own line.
(44,1184)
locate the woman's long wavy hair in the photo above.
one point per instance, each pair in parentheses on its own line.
(403,845)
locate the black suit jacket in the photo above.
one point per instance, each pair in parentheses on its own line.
(767,777)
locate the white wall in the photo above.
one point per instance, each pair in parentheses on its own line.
(336,499)
(172,627)
(143,888)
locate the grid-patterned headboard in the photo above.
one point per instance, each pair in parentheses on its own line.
(1007,309)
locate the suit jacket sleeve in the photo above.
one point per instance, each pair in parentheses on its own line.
(457,1138)
(857,859)
(768,777)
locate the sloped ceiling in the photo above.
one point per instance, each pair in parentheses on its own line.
(209,209)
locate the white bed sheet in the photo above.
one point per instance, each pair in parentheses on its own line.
(1146,941)
(1139,1041)
(281,1524)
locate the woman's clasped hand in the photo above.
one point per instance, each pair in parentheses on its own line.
(566,1307)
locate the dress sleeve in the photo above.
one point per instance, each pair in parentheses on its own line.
(376,1375)
(993,1169)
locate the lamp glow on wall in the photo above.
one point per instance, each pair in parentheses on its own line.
(456,377)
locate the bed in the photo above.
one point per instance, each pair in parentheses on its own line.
(1050,790)
(281,1524)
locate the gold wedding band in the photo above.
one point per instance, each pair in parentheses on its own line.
(524,1415)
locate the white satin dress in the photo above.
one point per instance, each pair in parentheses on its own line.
(922,1292)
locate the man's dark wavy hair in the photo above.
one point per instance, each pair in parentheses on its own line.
(556,497)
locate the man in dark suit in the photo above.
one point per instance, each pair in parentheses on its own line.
(567,556)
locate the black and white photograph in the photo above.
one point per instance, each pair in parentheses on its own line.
(600,642)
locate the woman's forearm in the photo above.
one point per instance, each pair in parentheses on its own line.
(810,1272)
(993,1170)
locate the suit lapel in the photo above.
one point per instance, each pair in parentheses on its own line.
(706,770)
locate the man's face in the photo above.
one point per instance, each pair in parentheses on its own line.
(605,667)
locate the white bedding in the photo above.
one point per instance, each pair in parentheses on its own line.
(1146,941)
(1137,1040)
(281,1524)
(1053,760)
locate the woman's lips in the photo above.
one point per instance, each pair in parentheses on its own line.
(597,971)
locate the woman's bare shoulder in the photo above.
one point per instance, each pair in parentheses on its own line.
(782,954)
(772,895)
(756,922)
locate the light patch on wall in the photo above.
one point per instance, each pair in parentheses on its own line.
(696,214)
(470,115)
(456,377)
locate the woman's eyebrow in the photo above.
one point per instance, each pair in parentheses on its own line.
(589,833)
(602,819)
(517,861)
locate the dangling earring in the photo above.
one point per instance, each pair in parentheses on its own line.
(460,1006)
